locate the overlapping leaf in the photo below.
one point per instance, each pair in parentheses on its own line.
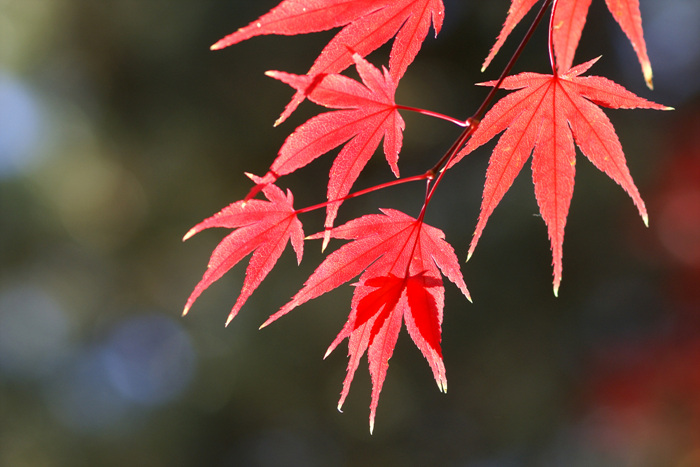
(262,227)
(547,115)
(368,114)
(400,260)
(368,24)
(569,19)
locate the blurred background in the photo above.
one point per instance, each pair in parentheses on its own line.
(119,130)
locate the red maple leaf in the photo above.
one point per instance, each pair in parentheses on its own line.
(368,24)
(400,259)
(569,19)
(368,114)
(262,227)
(547,114)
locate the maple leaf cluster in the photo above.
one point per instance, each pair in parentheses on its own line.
(400,260)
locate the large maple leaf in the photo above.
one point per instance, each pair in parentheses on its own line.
(569,19)
(400,259)
(367,25)
(545,117)
(262,227)
(368,114)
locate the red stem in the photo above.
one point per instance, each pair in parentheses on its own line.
(399,181)
(551,38)
(430,113)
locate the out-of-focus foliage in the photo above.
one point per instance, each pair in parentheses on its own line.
(119,130)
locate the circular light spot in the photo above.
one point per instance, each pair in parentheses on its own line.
(20,127)
(149,359)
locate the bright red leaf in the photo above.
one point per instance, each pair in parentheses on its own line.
(368,24)
(262,227)
(547,115)
(627,14)
(368,114)
(400,259)
(569,19)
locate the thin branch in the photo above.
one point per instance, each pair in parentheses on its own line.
(473,121)
(400,181)
(430,113)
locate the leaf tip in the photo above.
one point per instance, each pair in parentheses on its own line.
(270,320)
(648,75)
(186,310)
(556,290)
(326,239)
(645,218)
(229,319)
(371,425)
(190,233)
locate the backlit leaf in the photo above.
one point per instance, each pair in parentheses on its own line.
(545,116)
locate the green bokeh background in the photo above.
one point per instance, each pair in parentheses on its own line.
(122,130)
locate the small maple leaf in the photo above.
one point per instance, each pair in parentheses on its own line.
(368,114)
(569,19)
(262,227)
(368,24)
(547,115)
(400,259)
